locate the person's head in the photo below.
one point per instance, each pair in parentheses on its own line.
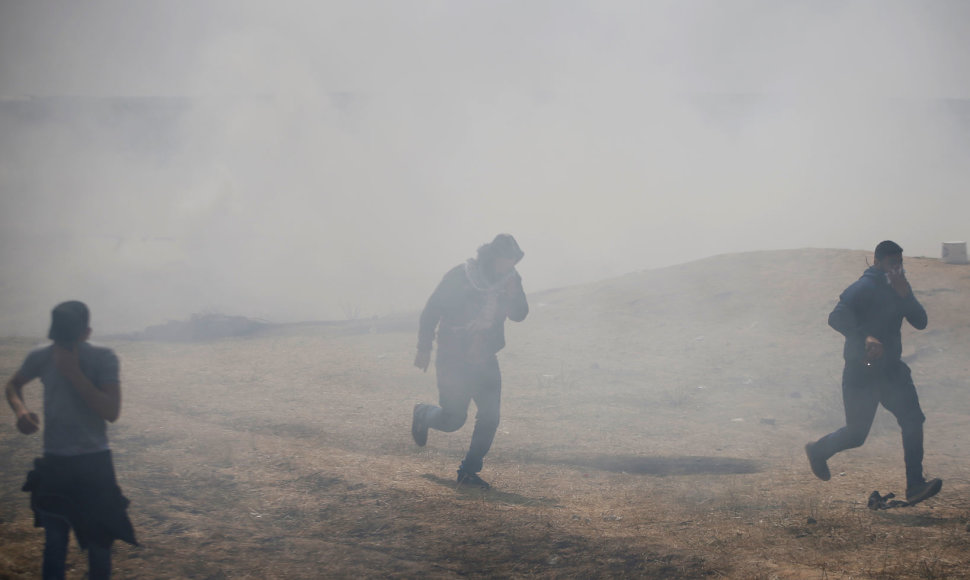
(888,256)
(499,256)
(70,323)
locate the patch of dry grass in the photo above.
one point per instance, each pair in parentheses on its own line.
(624,451)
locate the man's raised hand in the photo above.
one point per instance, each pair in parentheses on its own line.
(899,283)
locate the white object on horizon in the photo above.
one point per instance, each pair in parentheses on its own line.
(954,253)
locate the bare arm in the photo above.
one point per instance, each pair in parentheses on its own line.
(27,422)
(105,401)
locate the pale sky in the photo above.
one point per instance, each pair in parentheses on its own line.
(311,158)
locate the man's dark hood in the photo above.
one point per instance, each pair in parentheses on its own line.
(505,246)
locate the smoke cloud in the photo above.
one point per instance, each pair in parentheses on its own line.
(305,160)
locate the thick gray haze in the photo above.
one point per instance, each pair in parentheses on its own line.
(305,160)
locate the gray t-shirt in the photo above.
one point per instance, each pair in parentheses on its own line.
(70,426)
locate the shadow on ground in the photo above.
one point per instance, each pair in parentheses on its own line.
(660,466)
(918,520)
(490,495)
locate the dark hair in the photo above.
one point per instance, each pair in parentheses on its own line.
(887,248)
(69,322)
(503,246)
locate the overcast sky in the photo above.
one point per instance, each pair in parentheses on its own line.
(318,158)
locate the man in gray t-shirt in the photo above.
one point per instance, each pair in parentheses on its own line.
(72,427)
(73,485)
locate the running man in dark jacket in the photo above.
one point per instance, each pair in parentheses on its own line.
(869,314)
(469,308)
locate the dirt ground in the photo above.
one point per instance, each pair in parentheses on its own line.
(652,427)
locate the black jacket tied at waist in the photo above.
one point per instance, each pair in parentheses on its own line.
(83,490)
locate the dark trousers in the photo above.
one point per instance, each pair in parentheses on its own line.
(78,492)
(863,389)
(459,383)
(57,536)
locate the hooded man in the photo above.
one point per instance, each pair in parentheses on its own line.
(869,314)
(469,308)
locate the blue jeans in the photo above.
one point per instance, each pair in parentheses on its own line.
(460,383)
(57,533)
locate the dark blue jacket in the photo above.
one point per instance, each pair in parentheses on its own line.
(870,307)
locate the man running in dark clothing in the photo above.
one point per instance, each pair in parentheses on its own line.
(469,308)
(869,314)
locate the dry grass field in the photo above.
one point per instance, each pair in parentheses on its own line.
(652,427)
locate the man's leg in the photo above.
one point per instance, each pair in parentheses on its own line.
(900,398)
(488,398)
(860,399)
(56,535)
(99,562)
(454,395)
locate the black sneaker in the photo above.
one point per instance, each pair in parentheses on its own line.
(819,466)
(419,427)
(472,479)
(921,491)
